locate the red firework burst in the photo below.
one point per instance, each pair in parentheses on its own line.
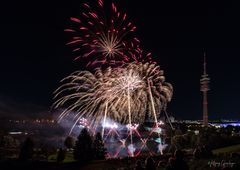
(102,39)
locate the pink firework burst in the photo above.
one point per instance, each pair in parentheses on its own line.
(104,39)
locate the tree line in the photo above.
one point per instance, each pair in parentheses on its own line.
(85,148)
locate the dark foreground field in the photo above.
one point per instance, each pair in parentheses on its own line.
(215,163)
(94,165)
(222,157)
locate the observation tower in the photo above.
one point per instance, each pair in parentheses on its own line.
(204,82)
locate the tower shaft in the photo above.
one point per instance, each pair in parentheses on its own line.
(205,109)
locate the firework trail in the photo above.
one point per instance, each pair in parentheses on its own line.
(124,94)
(82,93)
(140,92)
(104,39)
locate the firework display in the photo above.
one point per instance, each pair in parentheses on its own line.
(129,90)
(101,39)
(123,94)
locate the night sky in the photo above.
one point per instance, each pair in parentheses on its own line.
(34,57)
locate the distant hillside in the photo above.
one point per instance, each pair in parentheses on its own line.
(10,109)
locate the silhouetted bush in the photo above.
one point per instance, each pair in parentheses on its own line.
(69,142)
(26,152)
(98,147)
(61,155)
